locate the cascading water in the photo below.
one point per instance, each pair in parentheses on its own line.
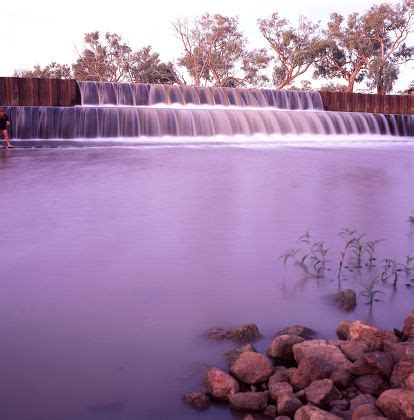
(126,110)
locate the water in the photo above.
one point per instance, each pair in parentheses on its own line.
(115,261)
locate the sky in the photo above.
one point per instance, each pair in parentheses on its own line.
(41,31)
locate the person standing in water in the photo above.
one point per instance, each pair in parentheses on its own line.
(4,122)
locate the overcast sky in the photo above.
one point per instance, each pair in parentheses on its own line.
(38,32)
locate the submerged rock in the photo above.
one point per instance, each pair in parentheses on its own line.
(252,368)
(299,330)
(397,404)
(345,299)
(233,355)
(248,401)
(219,384)
(245,332)
(197,400)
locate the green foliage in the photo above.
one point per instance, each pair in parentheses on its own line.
(51,71)
(370,292)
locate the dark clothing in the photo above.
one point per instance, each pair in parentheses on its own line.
(3,122)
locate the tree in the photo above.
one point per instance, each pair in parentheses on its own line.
(388,27)
(333,87)
(346,50)
(51,71)
(296,48)
(112,60)
(215,52)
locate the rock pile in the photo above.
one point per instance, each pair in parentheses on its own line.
(366,374)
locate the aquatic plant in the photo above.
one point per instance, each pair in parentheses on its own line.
(370,248)
(390,270)
(370,292)
(407,267)
(349,236)
(411,219)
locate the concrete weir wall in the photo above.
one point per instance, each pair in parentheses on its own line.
(16,91)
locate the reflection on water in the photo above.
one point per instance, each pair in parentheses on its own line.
(115,262)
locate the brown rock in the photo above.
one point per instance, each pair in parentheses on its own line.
(362,399)
(275,388)
(371,384)
(281,347)
(342,330)
(376,363)
(400,351)
(408,382)
(409,326)
(252,368)
(245,332)
(372,336)
(197,400)
(287,404)
(400,372)
(219,384)
(270,411)
(353,350)
(339,404)
(248,401)
(310,412)
(282,418)
(397,404)
(345,299)
(321,392)
(300,330)
(310,369)
(334,342)
(365,411)
(351,392)
(281,374)
(233,355)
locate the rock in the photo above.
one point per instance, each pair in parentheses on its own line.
(245,332)
(321,392)
(219,384)
(353,350)
(249,417)
(362,399)
(400,351)
(365,411)
(310,412)
(281,347)
(343,414)
(372,336)
(371,384)
(351,392)
(339,404)
(375,363)
(270,411)
(287,404)
(345,299)
(252,368)
(334,342)
(299,330)
(275,388)
(197,400)
(233,355)
(408,382)
(281,374)
(248,401)
(400,372)
(318,360)
(397,404)
(282,418)
(342,330)
(408,329)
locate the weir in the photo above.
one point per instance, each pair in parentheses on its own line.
(125,110)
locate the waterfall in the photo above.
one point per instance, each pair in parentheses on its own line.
(126,110)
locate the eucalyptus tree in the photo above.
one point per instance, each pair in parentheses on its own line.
(50,71)
(295,47)
(215,52)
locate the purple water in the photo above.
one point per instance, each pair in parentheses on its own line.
(115,261)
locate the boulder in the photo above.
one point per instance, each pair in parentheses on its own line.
(375,363)
(339,404)
(252,368)
(353,350)
(281,374)
(345,299)
(366,411)
(248,401)
(197,400)
(275,388)
(397,404)
(400,372)
(310,412)
(270,411)
(282,418)
(372,336)
(219,385)
(287,404)
(371,384)
(362,399)
(244,332)
(281,347)
(300,330)
(408,329)
(400,351)
(233,355)
(351,392)
(342,330)
(321,392)
(408,382)
(310,369)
